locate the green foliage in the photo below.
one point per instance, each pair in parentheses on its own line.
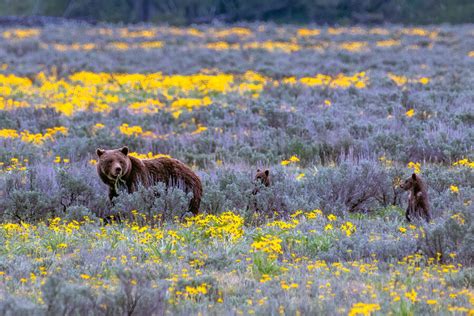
(155,204)
(262,264)
(26,206)
(312,245)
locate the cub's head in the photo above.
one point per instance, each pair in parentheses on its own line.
(263,177)
(411,182)
(113,163)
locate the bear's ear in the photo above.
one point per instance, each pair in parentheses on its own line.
(100,152)
(267,172)
(413,176)
(124,150)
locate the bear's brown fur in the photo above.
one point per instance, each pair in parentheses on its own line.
(262,177)
(418,203)
(115,168)
(275,206)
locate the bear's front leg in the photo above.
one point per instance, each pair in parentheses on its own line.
(408,213)
(112,194)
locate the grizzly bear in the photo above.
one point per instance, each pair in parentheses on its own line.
(417,198)
(262,177)
(274,205)
(118,169)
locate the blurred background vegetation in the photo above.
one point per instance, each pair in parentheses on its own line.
(182,12)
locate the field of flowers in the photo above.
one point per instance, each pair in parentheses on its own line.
(340,116)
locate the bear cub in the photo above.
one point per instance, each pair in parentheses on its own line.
(262,177)
(418,204)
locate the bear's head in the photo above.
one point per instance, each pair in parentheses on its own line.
(113,164)
(263,177)
(411,183)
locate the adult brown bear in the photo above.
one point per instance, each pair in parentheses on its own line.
(418,203)
(116,168)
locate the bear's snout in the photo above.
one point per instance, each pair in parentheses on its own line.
(116,171)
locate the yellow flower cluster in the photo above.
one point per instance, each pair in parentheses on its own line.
(314,214)
(418,31)
(101,92)
(196,290)
(38,138)
(135,130)
(410,113)
(199,130)
(58,160)
(287,286)
(353,46)
(454,188)
(219,46)
(8,133)
(265,278)
(363,309)
(226,226)
(459,218)
(21,33)
(70,47)
(464,162)
(135,33)
(10,104)
(268,244)
(150,106)
(304,32)
(412,296)
(348,228)
(272,46)
(141,45)
(300,176)
(178,106)
(358,80)
(403,80)
(232,31)
(416,166)
(387,162)
(13,165)
(293,159)
(388,43)
(149,155)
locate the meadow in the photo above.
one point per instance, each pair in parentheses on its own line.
(339,115)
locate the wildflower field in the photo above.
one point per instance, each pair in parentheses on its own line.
(339,115)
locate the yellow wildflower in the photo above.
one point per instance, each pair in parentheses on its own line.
(410,113)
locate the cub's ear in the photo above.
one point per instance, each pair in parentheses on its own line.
(100,152)
(124,150)
(413,176)
(267,172)
(258,170)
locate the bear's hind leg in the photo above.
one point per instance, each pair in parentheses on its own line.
(408,213)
